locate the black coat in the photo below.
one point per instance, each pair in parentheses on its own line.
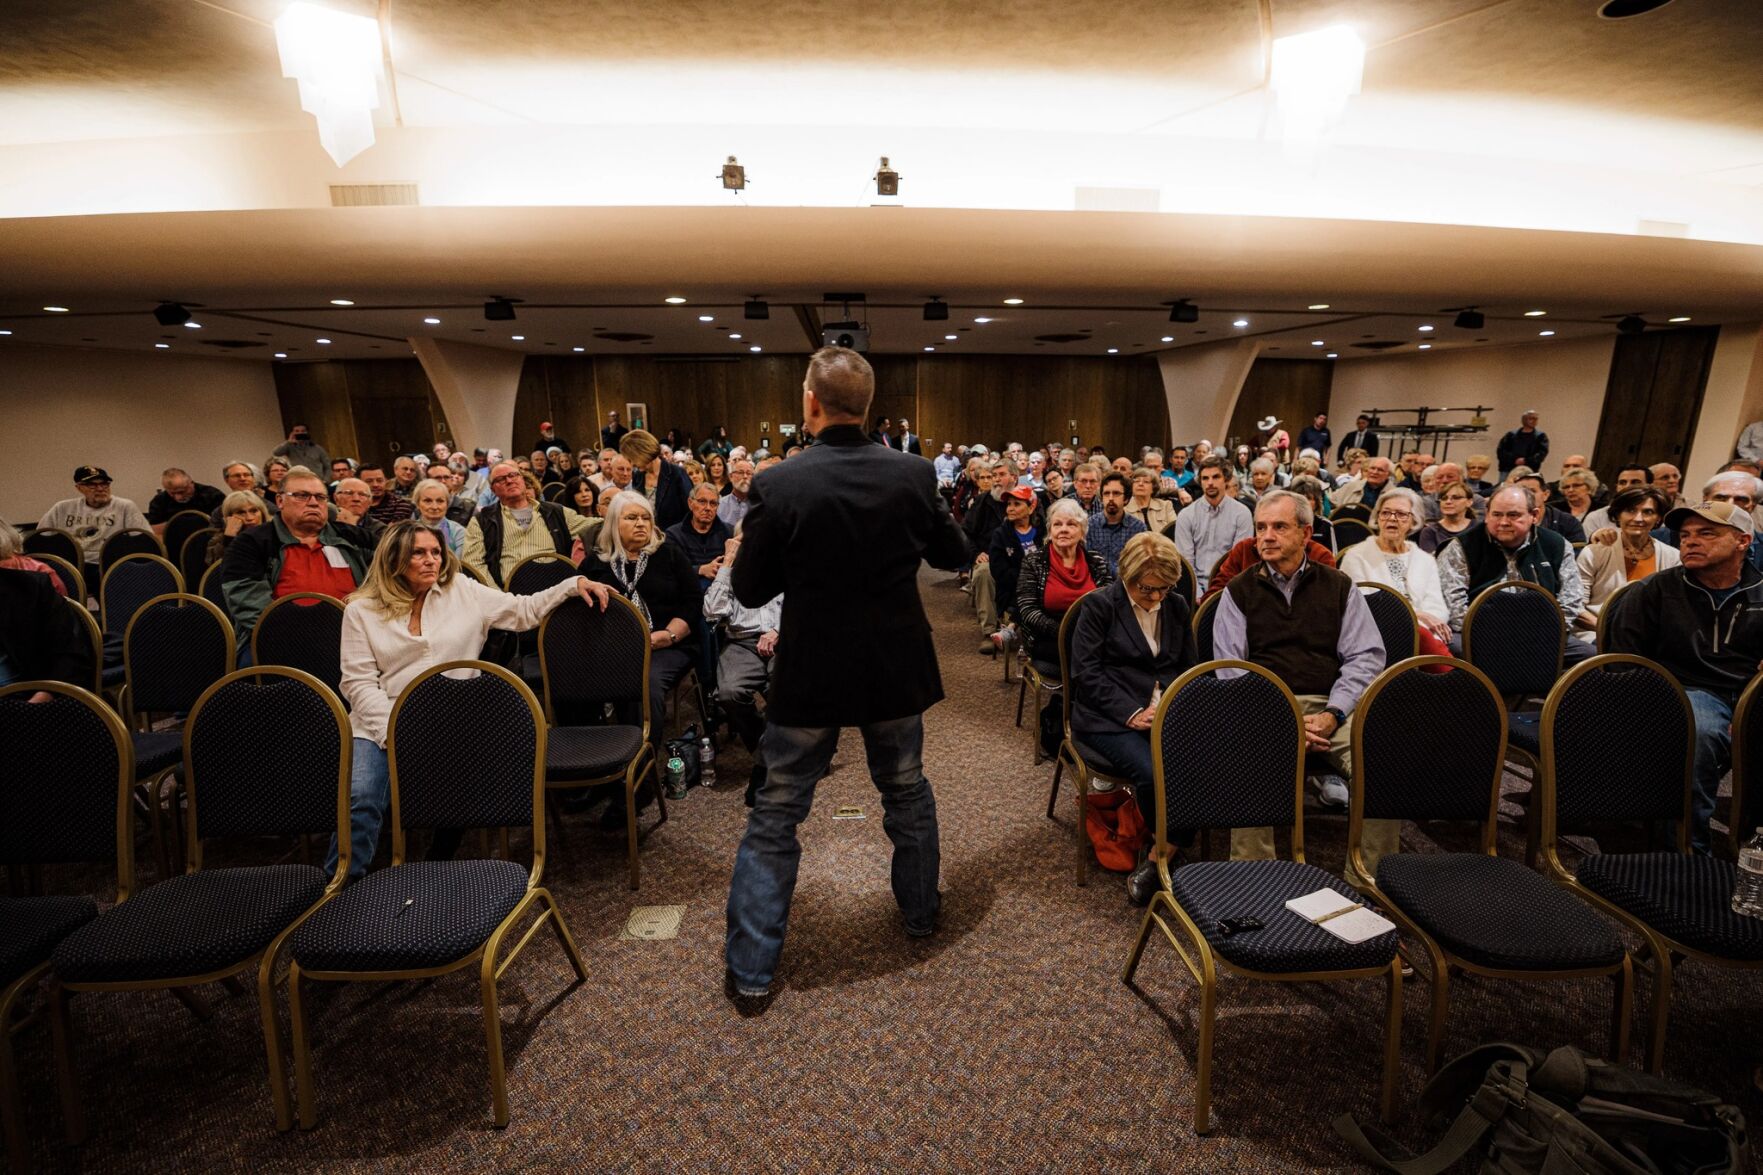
(669,586)
(840,532)
(1113,668)
(1368,442)
(38,634)
(672,489)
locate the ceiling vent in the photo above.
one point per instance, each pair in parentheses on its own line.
(623,336)
(1062,338)
(372,195)
(232,344)
(1379,345)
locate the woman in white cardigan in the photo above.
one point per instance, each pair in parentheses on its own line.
(416,610)
(1387,557)
(1607,566)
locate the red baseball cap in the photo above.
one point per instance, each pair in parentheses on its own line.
(1025,493)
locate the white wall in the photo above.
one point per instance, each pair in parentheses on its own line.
(1564,381)
(133,414)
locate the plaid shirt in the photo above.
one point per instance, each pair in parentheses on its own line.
(1109,540)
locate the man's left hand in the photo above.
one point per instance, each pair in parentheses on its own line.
(1318,729)
(768,643)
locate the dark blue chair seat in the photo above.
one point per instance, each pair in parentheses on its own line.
(1525,731)
(457,906)
(1096,760)
(589,752)
(1211,891)
(1494,912)
(30,928)
(1049,670)
(191,924)
(156,750)
(1688,899)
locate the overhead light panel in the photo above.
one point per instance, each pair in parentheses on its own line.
(192,326)
(936,310)
(1535,313)
(1679,318)
(56,309)
(734,176)
(1241,322)
(887,180)
(1313,75)
(341,302)
(432,321)
(1012,301)
(674,300)
(1469,318)
(336,58)
(170,314)
(499,309)
(1184,311)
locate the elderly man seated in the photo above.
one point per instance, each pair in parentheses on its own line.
(299,550)
(1512,544)
(519,525)
(745,664)
(1373,479)
(1310,626)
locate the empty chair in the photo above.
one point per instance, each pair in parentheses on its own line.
(589,659)
(46,540)
(1349,531)
(89,633)
(303,631)
(177,531)
(210,590)
(124,543)
(130,583)
(1353,512)
(1239,745)
(64,798)
(1607,614)
(1473,911)
(1603,765)
(192,555)
(211,924)
(1395,621)
(535,573)
(421,919)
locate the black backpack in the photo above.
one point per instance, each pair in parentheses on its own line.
(1562,1113)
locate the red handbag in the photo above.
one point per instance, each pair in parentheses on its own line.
(1116,829)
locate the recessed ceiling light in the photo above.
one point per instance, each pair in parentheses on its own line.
(706,318)
(1012,301)
(755,348)
(676,300)
(950,338)
(192,326)
(1332,355)
(432,321)
(1169,338)
(162,346)
(518,338)
(1426,346)
(1535,313)
(1319,305)
(281,354)
(1426,327)
(341,302)
(1545,333)
(1114,350)
(733,335)
(982,320)
(56,309)
(1241,322)
(1679,318)
(324,342)
(1317,343)
(5,332)
(578,348)
(930,348)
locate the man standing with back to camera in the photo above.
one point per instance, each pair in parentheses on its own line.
(839,533)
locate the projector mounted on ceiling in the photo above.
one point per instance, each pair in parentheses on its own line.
(845,334)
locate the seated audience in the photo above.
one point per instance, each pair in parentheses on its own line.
(274,470)
(179,492)
(1053,577)
(238,475)
(1315,493)
(1578,489)
(299,550)
(384,507)
(1155,512)
(1244,556)
(13,558)
(740,480)
(1549,518)
(431,499)
(519,525)
(1373,479)
(406,472)
(92,517)
(353,500)
(415,610)
(1475,474)
(1206,531)
(1607,567)
(241,511)
(1702,621)
(1007,546)
(1456,514)
(745,664)
(1110,531)
(1310,626)
(1512,544)
(304,452)
(702,537)
(1629,477)
(39,638)
(1387,557)
(582,495)
(1668,478)
(1131,642)
(663,483)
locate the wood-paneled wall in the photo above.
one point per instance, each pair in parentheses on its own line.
(367,407)
(1654,397)
(1294,390)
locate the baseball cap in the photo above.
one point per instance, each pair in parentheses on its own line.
(1719,513)
(1025,493)
(87,474)
(544,425)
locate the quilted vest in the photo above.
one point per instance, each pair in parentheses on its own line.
(1298,640)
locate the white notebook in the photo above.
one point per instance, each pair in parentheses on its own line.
(1340,915)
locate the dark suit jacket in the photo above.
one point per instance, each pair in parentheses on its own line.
(671,491)
(38,634)
(840,532)
(1347,442)
(1113,669)
(909,443)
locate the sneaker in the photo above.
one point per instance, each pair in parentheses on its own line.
(1334,791)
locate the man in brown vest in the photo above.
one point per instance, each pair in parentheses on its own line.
(1311,627)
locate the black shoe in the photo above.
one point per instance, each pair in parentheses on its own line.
(755,781)
(1142,882)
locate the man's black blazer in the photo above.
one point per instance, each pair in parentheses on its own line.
(38,633)
(1113,669)
(840,531)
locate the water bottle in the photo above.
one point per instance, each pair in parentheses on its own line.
(676,778)
(1747,893)
(706,762)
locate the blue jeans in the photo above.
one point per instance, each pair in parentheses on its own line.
(1713,715)
(370,794)
(1129,753)
(795,758)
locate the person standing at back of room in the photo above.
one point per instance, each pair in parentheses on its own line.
(840,532)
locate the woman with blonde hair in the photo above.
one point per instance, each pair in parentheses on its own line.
(415,609)
(240,510)
(662,482)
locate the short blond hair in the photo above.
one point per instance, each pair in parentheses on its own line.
(1150,554)
(639,447)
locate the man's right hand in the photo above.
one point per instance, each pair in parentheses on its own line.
(709,570)
(1141,720)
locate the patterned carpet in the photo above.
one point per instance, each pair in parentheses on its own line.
(1005,1041)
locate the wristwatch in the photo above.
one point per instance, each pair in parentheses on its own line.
(1334,712)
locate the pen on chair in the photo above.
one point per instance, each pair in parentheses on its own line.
(408,902)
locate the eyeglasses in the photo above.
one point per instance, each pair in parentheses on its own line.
(1395,515)
(1154,590)
(310,495)
(495,481)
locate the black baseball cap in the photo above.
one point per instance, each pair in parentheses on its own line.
(87,474)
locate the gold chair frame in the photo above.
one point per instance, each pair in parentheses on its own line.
(485,955)
(104,567)
(88,625)
(1659,947)
(1741,753)
(1204,964)
(1442,960)
(263,961)
(642,763)
(1604,611)
(1081,770)
(11,1106)
(68,535)
(204,536)
(1202,610)
(65,571)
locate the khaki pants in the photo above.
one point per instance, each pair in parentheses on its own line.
(985,596)
(1379,837)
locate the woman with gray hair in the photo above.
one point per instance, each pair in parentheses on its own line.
(1389,558)
(12,557)
(1053,577)
(240,510)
